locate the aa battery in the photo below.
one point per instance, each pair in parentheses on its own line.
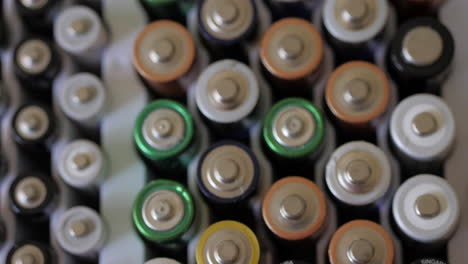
(81,232)
(353,26)
(81,164)
(162,261)
(164,133)
(293,8)
(225,25)
(36,65)
(422,130)
(33,127)
(294,131)
(357,94)
(32,197)
(228,174)
(426,209)
(358,174)
(82,97)
(227,93)
(38,15)
(291,52)
(420,56)
(79,31)
(164,212)
(361,241)
(164,54)
(30,252)
(228,242)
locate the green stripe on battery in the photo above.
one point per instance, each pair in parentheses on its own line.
(294,152)
(169,235)
(159,155)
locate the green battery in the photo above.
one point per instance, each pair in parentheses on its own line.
(164,213)
(294,129)
(168,9)
(165,134)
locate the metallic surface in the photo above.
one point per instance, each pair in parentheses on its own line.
(228,242)
(361,242)
(422,46)
(32,123)
(28,254)
(292,49)
(357,92)
(33,56)
(163,210)
(34,4)
(30,193)
(164,129)
(294,208)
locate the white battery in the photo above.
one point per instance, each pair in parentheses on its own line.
(162,261)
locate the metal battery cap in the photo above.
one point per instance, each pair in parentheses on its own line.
(80,231)
(358,173)
(34,4)
(163,52)
(30,193)
(163,211)
(32,122)
(361,242)
(33,56)
(81,164)
(28,254)
(79,29)
(422,127)
(294,128)
(228,171)
(162,261)
(227,92)
(357,92)
(228,242)
(82,97)
(426,209)
(294,208)
(227,19)
(163,129)
(422,46)
(292,49)
(355,21)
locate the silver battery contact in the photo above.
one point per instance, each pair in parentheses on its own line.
(355,21)
(358,173)
(422,128)
(28,253)
(30,193)
(34,57)
(82,98)
(81,164)
(426,209)
(32,123)
(81,231)
(79,31)
(227,92)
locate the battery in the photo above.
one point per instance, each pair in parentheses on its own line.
(228,242)
(164,54)
(291,52)
(165,9)
(426,209)
(225,25)
(81,164)
(79,31)
(358,173)
(361,241)
(420,56)
(294,129)
(36,65)
(32,197)
(357,94)
(294,209)
(33,126)
(227,93)
(162,261)
(422,130)
(293,8)
(38,15)
(228,175)
(82,97)
(81,232)
(164,212)
(164,133)
(30,252)
(353,25)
